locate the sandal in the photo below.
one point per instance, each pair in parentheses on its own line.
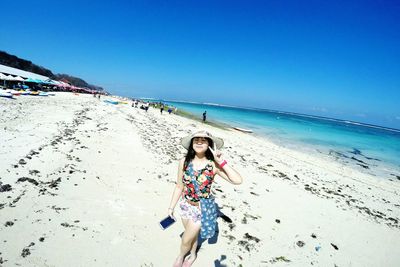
(188,262)
(177,263)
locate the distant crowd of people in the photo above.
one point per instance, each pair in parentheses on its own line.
(145,106)
(169,110)
(136,103)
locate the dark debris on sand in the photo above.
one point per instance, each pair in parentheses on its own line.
(5,187)
(278,259)
(66,225)
(54,183)
(397,176)
(27,179)
(25,252)
(334,246)
(12,204)
(245,244)
(300,243)
(57,209)
(251,238)
(249,243)
(313,235)
(8,223)
(34,172)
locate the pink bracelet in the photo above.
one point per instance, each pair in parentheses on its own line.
(223,164)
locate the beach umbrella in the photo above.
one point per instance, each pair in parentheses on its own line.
(30,80)
(62,84)
(55,82)
(39,81)
(46,81)
(50,82)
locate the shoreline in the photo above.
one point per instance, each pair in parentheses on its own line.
(94,177)
(350,156)
(344,121)
(188,115)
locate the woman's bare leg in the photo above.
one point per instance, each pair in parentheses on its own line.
(193,255)
(184,222)
(193,250)
(189,237)
(187,241)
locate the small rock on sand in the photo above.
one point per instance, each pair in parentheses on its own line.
(300,243)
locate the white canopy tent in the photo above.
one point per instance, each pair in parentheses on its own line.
(13,74)
(4,77)
(17,78)
(25,74)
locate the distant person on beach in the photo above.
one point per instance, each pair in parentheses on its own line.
(196,174)
(161,108)
(204,116)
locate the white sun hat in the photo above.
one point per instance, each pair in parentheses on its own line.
(219,142)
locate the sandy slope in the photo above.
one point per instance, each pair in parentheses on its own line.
(90,181)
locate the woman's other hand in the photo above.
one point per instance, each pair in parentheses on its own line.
(217,154)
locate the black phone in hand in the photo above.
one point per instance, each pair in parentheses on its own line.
(167,222)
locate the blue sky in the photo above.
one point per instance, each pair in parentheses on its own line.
(336,59)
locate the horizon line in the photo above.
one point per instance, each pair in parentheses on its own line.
(345,121)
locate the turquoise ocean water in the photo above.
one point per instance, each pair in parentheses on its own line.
(362,144)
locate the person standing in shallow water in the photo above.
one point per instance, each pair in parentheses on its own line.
(201,164)
(204,116)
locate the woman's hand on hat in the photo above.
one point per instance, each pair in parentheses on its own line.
(217,154)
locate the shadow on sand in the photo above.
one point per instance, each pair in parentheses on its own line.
(214,239)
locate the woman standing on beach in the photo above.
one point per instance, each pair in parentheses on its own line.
(196,174)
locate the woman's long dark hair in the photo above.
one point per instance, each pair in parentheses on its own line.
(191,153)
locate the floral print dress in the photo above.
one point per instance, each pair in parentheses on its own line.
(204,177)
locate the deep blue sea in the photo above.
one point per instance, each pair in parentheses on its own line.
(359,142)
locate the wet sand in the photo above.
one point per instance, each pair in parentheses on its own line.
(85,183)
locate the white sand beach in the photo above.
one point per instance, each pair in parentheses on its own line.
(85,183)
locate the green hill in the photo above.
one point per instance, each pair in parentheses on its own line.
(26,65)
